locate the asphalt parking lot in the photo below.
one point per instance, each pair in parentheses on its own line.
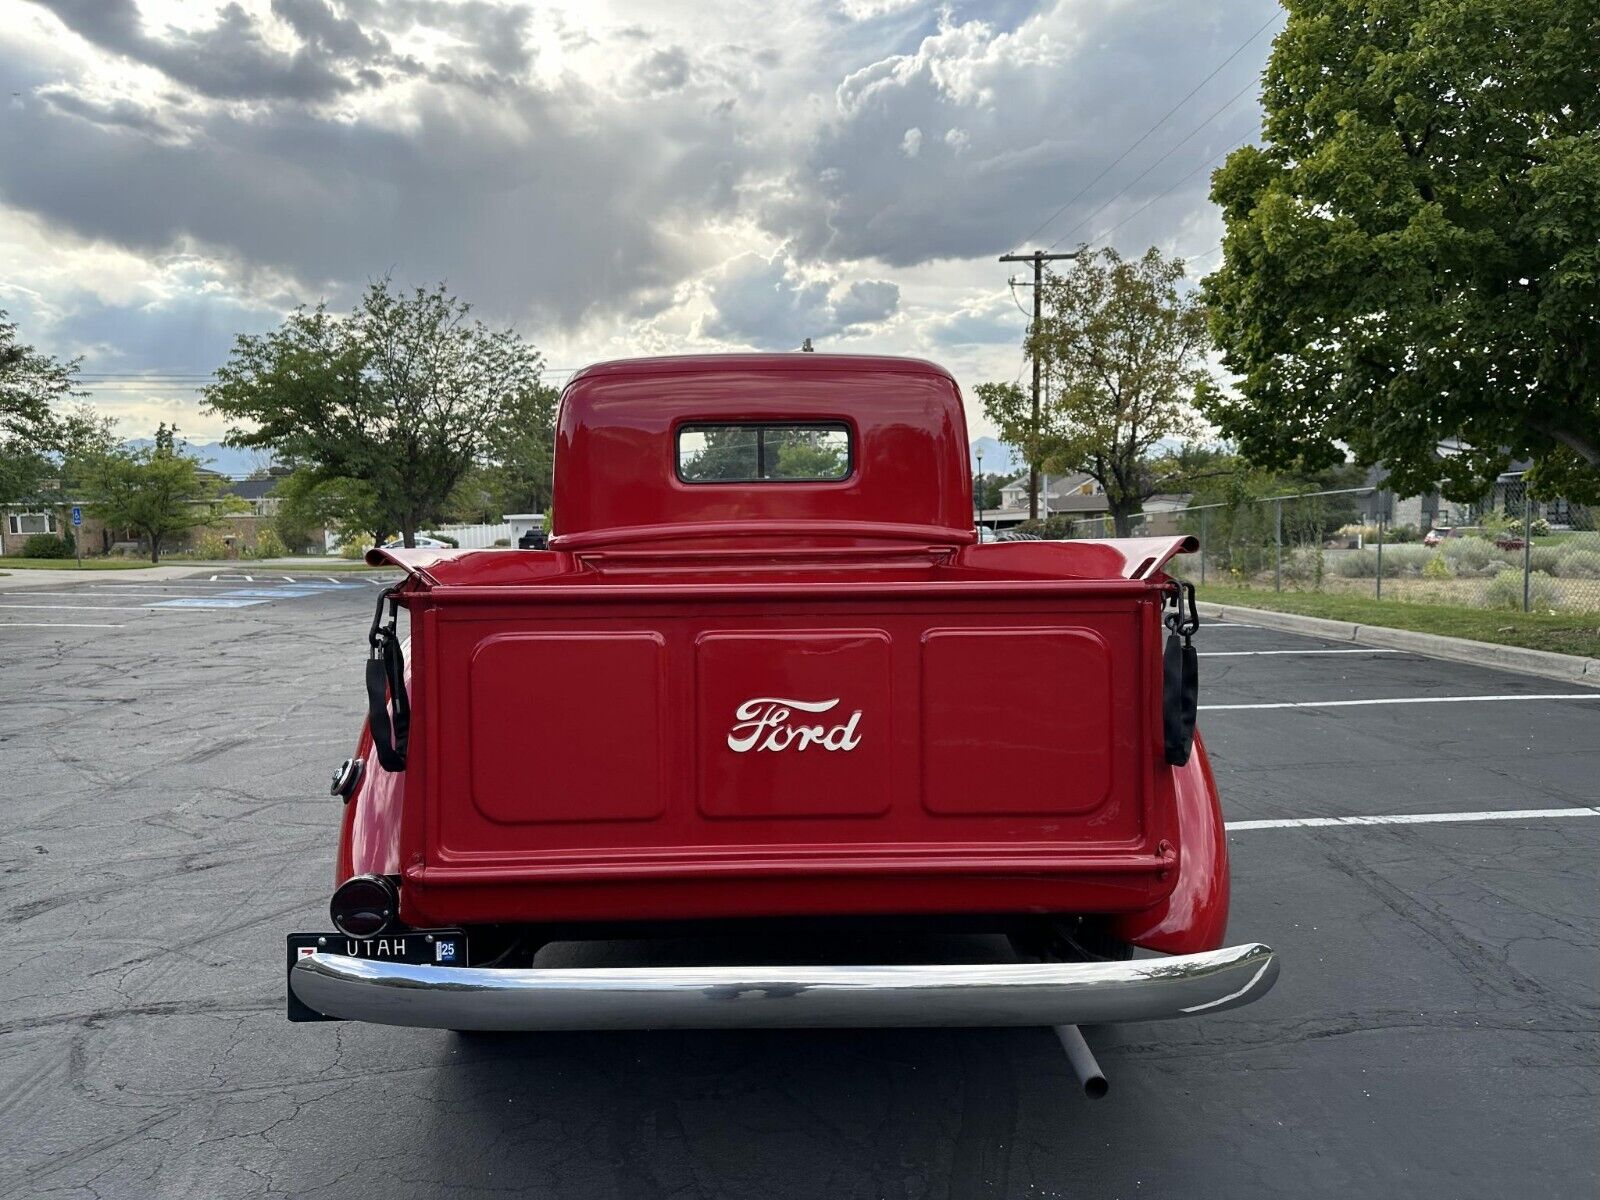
(165,821)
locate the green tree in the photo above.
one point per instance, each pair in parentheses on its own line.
(986,490)
(719,453)
(1123,353)
(520,454)
(307,502)
(807,454)
(32,432)
(1011,410)
(401,397)
(1412,257)
(160,493)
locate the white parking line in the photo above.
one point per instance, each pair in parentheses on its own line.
(1399,700)
(90,607)
(170,583)
(92,595)
(58,625)
(1530,814)
(1252,653)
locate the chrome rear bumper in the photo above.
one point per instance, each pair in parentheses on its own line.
(484,998)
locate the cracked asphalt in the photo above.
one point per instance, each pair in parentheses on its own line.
(166,820)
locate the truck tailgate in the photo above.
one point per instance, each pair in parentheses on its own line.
(912,746)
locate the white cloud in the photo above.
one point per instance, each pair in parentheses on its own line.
(613,179)
(767,303)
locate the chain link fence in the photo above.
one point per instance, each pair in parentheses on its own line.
(1509,550)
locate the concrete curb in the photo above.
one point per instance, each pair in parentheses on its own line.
(1571,668)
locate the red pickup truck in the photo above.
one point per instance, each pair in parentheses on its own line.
(764,676)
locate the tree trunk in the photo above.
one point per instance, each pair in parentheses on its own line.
(155,550)
(1122,515)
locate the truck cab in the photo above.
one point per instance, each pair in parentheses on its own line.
(765,672)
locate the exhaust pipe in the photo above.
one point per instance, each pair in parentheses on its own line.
(1081,1059)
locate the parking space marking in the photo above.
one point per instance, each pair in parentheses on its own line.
(205,602)
(1253,653)
(1531,814)
(90,607)
(58,625)
(156,583)
(82,596)
(271,593)
(1399,700)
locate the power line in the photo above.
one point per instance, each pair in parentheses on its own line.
(1163,195)
(1146,134)
(1038,258)
(1229,103)
(108,382)
(161,376)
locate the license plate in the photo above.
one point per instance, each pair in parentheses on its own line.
(429,947)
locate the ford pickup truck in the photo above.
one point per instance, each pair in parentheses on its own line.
(764,677)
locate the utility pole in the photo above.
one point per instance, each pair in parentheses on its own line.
(1038,258)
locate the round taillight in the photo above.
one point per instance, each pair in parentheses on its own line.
(365,906)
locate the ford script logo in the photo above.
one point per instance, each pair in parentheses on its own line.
(764,724)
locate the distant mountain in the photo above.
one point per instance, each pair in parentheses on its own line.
(225,460)
(998,458)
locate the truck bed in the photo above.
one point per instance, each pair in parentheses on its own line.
(754,733)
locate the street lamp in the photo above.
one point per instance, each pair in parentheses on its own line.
(979,490)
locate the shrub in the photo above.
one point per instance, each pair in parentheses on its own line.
(1436,568)
(1540,527)
(209,545)
(270,545)
(1505,591)
(1469,554)
(1579,564)
(353,547)
(1543,558)
(1401,534)
(502,541)
(1357,564)
(47,545)
(1405,560)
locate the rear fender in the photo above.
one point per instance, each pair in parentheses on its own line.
(1195,916)
(369,835)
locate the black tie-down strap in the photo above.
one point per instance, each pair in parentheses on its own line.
(388,706)
(1180,698)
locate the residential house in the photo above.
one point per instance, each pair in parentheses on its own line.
(20,522)
(1076,495)
(1433,511)
(239,531)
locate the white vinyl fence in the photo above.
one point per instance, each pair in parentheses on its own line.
(476,537)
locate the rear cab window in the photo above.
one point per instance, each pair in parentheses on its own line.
(764,452)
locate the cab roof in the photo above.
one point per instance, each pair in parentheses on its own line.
(616,477)
(783,363)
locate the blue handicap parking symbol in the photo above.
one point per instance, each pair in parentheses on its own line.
(271,593)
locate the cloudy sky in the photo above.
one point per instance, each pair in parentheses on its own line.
(611,177)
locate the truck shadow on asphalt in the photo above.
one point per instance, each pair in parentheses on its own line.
(783,1113)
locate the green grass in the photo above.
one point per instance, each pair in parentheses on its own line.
(16,562)
(1565,633)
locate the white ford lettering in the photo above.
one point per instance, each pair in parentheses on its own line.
(763,724)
